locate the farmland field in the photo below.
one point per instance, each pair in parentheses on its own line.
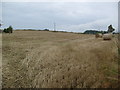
(44,59)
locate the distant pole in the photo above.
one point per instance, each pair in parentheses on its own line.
(54,26)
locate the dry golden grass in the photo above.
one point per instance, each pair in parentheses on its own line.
(0,60)
(44,59)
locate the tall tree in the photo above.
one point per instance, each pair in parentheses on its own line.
(110,29)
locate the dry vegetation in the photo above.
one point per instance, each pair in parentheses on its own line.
(0,60)
(44,59)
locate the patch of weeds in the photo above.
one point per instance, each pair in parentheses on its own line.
(112,72)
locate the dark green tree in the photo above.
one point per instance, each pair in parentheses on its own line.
(5,30)
(110,29)
(8,30)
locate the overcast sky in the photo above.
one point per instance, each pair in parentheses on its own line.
(68,16)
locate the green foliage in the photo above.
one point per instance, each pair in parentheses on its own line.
(46,29)
(94,32)
(110,28)
(8,30)
(5,30)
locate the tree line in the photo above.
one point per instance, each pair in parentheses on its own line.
(110,30)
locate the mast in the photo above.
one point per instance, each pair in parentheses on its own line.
(54,26)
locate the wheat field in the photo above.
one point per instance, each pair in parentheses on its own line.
(44,59)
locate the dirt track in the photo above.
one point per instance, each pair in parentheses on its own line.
(52,59)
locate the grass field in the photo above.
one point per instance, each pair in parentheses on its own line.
(44,59)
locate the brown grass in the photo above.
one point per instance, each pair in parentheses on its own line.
(0,60)
(44,59)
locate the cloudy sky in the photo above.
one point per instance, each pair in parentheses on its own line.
(68,16)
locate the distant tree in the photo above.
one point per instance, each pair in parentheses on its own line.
(5,30)
(46,29)
(91,32)
(110,29)
(8,30)
(94,32)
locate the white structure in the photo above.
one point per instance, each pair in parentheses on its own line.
(107,36)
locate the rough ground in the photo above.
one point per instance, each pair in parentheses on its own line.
(44,59)
(0,61)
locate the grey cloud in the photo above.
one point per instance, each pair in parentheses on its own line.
(68,16)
